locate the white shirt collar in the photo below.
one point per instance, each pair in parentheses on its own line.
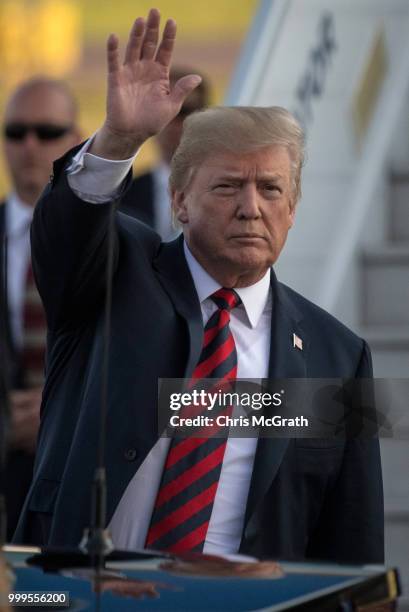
(254,297)
(18,215)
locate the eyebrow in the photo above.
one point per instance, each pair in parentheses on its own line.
(240,176)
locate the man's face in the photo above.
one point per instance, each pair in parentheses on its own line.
(236,213)
(30,159)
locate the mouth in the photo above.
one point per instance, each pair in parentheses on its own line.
(247,237)
(30,164)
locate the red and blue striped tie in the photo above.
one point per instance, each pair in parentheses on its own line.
(185,498)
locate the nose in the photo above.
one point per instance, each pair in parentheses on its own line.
(248,206)
(30,141)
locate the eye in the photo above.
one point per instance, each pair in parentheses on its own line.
(272,190)
(225,188)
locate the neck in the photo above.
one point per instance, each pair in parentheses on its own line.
(227,276)
(238,280)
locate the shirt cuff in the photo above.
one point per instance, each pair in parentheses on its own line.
(95,179)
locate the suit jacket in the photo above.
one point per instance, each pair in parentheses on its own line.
(308,498)
(139,199)
(19,466)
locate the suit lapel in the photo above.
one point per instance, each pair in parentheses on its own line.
(286,361)
(175,277)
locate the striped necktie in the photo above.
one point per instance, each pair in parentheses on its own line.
(185,498)
(34,334)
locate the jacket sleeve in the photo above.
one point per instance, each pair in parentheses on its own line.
(71,242)
(351,526)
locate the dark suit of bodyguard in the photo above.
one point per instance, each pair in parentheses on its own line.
(307,498)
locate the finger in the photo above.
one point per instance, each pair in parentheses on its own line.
(183,87)
(164,54)
(113,54)
(150,41)
(133,48)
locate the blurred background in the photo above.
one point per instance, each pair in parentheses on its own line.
(66,39)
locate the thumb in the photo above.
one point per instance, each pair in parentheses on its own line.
(183,87)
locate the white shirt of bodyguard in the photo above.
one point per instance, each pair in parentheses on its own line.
(97,180)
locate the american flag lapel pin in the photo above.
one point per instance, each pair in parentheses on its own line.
(297,342)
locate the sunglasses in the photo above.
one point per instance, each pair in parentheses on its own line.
(43,131)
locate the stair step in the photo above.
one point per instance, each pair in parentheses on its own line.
(385,284)
(390,349)
(397,515)
(387,253)
(399,178)
(391,363)
(386,336)
(403,604)
(396,547)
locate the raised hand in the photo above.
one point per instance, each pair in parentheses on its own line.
(140,101)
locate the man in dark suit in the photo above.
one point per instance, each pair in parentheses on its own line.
(148,198)
(206,304)
(39,125)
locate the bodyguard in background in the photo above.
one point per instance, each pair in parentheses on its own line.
(39,125)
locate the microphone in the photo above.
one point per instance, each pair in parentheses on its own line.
(96,540)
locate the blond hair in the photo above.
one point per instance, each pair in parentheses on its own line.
(239,129)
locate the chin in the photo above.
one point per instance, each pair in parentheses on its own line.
(35,181)
(250,259)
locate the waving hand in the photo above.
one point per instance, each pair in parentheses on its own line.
(140,100)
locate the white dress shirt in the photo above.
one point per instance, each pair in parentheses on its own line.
(250,324)
(100,187)
(94,179)
(18,216)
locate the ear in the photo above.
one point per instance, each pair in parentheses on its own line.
(291,216)
(179,206)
